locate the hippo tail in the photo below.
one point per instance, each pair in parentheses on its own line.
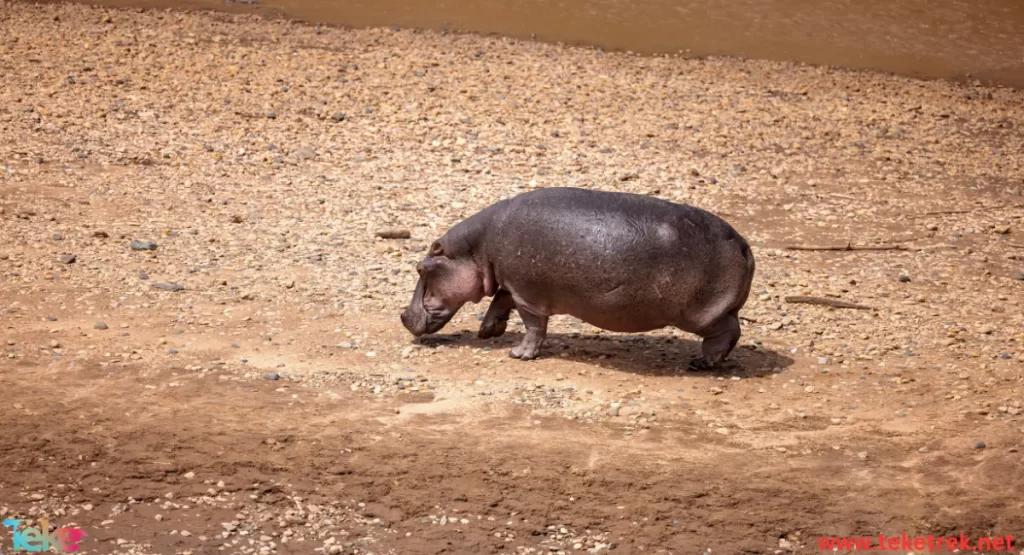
(748,255)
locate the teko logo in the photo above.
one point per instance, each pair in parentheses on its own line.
(41,539)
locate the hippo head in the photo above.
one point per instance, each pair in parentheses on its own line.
(446,283)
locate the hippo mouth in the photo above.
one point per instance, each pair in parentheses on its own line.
(421,321)
(426,324)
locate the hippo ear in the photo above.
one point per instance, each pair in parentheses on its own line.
(436,250)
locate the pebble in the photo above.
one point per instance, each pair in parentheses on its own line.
(305,153)
(1018,276)
(100,326)
(143,246)
(168,286)
(979,445)
(68,259)
(273,376)
(905,279)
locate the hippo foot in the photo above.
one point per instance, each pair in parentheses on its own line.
(491,329)
(524,352)
(702,363)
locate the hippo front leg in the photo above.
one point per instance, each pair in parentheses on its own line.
(536,330)
(496,318)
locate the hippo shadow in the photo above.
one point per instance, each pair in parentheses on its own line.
(649,355)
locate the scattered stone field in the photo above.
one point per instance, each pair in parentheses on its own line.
(200,285)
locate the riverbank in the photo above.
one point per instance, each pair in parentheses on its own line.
(238,380)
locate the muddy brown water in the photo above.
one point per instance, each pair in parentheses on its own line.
(958,39)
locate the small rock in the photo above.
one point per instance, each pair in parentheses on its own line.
(68,259)
(1018,276)
(905,279)
(143,246)
(863,455)
(273,376)
(305,153)
(100,234)
(394,233)
(168,286)
(979,445)
(1002,229)
(143,274)
(58,237)
(613,411)
(339,116)
(100,326)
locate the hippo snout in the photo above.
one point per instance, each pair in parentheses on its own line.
(416,325)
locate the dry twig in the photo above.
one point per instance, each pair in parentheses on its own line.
(946,212)
(826,302)
(850,247)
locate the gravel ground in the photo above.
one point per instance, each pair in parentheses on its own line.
(200,317)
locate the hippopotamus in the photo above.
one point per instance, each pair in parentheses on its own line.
(621,262)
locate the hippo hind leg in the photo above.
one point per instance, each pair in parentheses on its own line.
(719,340)
(496,319)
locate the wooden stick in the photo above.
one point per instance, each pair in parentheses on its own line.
(850,247)
(826,302)
(946,212)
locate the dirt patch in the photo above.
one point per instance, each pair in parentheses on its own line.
(264,398)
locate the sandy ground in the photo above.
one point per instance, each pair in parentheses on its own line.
(246,386)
